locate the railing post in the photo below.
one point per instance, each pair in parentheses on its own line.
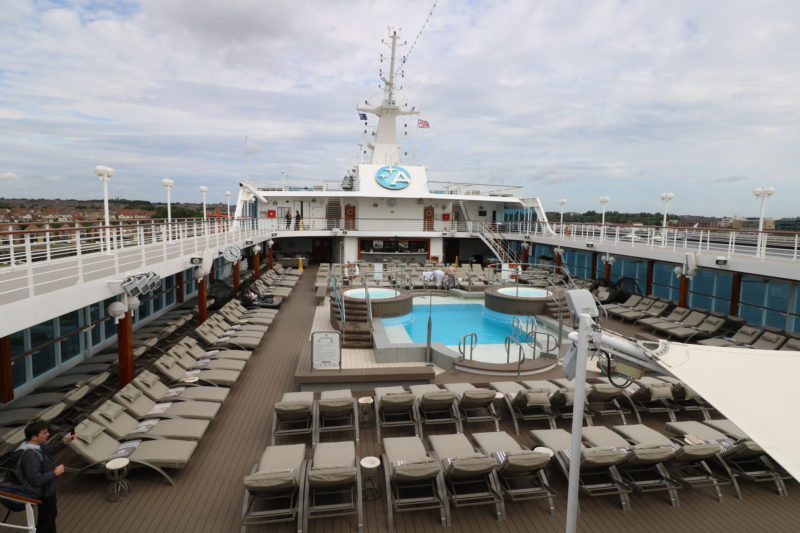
(29,264)
(6,372)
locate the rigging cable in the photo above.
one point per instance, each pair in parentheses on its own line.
(424,24)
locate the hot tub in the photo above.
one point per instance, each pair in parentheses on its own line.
(517,300)
(375,293)
(524,292)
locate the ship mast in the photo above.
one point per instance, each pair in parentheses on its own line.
(385,147)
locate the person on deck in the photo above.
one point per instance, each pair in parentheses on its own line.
(288,220)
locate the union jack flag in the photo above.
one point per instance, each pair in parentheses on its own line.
(362,116)
(423,124)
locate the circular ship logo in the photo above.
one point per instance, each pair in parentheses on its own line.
(394,178)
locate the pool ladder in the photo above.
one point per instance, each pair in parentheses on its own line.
(470,340)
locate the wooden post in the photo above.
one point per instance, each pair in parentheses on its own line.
(736,293)
(179,287)
(607,271)
(648,284)
(269,258)
(525,257)
(6,374)
(236,277)
(683,294)
(558,261)
(256,265)
(594,265)
(202,309)
(125,348)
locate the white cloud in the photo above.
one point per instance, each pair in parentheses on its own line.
(573,100)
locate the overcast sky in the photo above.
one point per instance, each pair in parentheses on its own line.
(571,100)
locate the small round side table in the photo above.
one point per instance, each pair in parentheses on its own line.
(365,403)
(370,465)
(116,471)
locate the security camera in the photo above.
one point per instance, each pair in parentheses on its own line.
(196,260)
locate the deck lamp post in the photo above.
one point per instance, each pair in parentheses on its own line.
(603,201)
(105,173)
(168,184)
(562,203)
(665,197)
(228,199)
(203,190)
(762,193)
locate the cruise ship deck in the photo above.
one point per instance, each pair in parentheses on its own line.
(208,494)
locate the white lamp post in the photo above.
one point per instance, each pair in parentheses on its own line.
(603,201)
(203,190)
(168,184)
(762,193)
(562,203)
(665,197)
(105,173)
(228,198)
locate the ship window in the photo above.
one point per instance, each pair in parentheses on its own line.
(18,370)
(70,346)
(43,359)
(158,301)
(169,290)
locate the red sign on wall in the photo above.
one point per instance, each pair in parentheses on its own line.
(271,213)
(445,216)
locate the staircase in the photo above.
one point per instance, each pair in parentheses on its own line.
(356,331)
(498,244)
(333,213)
(460,215)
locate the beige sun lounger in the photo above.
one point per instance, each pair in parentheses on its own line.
(175,373)
(157,391)
(275,487)
(395,407)
(525,403)
(436,405)
(475,405)
(122,426)
(334,469)
(336,410)
(140,406)
(294,415)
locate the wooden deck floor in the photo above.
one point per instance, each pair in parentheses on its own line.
(208,495)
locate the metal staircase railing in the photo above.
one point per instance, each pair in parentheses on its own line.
(497,244)
(470,340)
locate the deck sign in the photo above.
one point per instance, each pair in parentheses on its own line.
(393,178)
(326,353)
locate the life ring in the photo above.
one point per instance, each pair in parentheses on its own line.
(351,271)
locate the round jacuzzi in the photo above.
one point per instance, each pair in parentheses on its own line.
(516,300)
(375,293)
(524,292)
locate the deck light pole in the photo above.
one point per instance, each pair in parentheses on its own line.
(603,201)
(203,190)
(665,197)
(105,173)
(762,193)
(562,203)
(168,184)
(228,198)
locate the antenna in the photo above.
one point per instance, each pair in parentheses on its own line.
(246,156)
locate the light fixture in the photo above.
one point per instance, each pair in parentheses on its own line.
(256,249)
(133,303)
(270,243)
(248,243)
(198,273)
(116,310)
(589,245)
(721,261)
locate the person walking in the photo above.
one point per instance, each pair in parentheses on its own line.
(297,219)
(288,220)
(40,470)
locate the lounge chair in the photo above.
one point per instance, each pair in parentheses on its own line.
(122,426)
(294,415)
(658,308)
(676,315)
(526,404)
(713,324)
(474,404)
(688,465)
(686,398)
(208,336)
(395,407)
(168,366)
(520,471)
(627,305)
(141,406)
(187,361)
(643,305)
(598,472)
(436,406)
(651,395)
(333,483)
(159,392)
(693,319)
(414,479)
(602,399)
(562,398)
(469,476)
(198,352)
(792,344)
(770,340)
(336,410)
(274,489)
(739,455)
(96,447)
(745,335)
(644,468)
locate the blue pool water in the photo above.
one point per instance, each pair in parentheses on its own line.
(452,321)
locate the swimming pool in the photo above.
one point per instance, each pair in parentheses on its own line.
(375,293)
(524,292)
(451,321)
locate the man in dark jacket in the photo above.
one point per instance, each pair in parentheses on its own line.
(40,470)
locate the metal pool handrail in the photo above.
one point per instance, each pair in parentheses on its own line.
(462,344)
(520,352)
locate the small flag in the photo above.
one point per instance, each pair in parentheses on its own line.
(362,116)
(423,124)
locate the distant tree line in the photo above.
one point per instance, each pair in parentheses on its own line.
(612,217)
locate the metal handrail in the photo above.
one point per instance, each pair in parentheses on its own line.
(462,344)
(520,353)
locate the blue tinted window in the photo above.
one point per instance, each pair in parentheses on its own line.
(45,358)
(18,367)
(71,346)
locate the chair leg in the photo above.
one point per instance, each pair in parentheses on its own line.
(355,420)
(358,496)
(389,500)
